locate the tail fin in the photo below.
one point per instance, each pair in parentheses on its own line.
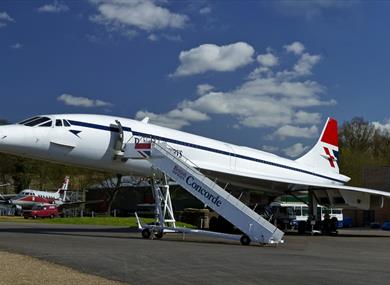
(324,155)
(64,188)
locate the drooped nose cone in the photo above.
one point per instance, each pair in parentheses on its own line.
(3,136)
(11,137)
(19,139)
(2,131)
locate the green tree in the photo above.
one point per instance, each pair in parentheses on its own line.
(21,174)
(362,145)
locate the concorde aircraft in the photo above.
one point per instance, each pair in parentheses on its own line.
(98,141)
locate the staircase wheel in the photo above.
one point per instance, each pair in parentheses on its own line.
(245,240)
(158,234)
(145,233)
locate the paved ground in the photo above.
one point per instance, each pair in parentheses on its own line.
(119,254)
(20,269)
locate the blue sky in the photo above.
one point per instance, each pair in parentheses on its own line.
(264,74)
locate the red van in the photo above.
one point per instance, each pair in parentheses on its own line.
(41,212)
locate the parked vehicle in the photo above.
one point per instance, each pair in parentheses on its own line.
(41,211)
(289,214)
(386,226)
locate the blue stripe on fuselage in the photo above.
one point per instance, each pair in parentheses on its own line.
(116,129)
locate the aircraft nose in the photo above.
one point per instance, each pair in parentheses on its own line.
(3,134)
(19,139)
(11,136)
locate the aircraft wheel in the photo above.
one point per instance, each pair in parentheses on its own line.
(146,233)
(245,240)
(34,217)
(26,217)
(51,216)
(158,234)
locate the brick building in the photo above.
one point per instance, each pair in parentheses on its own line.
(375,178)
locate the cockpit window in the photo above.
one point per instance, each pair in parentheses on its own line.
(58,123)
(27,120)
(47,124)
(37,121)
(32,122)
(66,123)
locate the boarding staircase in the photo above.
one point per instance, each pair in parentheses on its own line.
(184,172)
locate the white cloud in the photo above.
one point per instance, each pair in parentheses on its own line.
(295,132)
(205,10)
(175,119)
(204,88)
(56,7)
(16,46)
(295,48)
(272,100)
(210,57)
(4,19)
(302,117)
(303,67)
(260,102)
(152,37)
(142,14)
(267,59)
(306,63)
(384,127)
(295,150)
(172,38)
(270,148)
(82,101)
(258,72)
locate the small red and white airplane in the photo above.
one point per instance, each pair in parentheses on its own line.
(29,198)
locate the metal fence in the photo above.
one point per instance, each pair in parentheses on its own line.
(7,211)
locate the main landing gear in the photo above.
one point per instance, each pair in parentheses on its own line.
(147,233)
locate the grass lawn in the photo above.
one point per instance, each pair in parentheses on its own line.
(101,221)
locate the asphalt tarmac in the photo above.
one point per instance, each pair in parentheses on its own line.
(118,253)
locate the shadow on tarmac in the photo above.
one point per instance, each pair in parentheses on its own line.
(107,233)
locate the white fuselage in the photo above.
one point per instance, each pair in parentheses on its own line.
(90,139)
(29,198)
(43,194)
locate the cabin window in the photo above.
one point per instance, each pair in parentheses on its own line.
(326,211)
(297,211)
